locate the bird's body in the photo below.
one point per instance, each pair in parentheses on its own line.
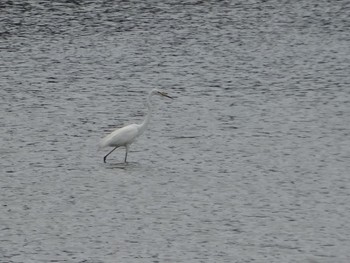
(121,137)
(127,135)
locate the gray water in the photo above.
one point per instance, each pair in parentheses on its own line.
(249,162)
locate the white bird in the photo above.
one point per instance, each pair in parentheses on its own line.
(127,135)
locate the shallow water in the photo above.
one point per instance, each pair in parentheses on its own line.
(249,162)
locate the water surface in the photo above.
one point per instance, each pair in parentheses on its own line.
(249,163)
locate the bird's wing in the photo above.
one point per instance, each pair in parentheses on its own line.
(120,137)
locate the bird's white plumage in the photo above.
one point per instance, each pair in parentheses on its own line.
(127,135)
(121,137)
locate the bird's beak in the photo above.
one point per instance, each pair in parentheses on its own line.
(164,94)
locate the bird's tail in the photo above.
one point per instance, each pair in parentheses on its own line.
(103,142)
(101,145)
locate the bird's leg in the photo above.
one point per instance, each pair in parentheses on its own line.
(126,153)
(104,158)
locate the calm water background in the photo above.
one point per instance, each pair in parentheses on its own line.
(250,162)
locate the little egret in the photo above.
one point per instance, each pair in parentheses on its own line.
(127,135)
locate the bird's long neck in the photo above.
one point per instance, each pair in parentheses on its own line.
(145,123)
